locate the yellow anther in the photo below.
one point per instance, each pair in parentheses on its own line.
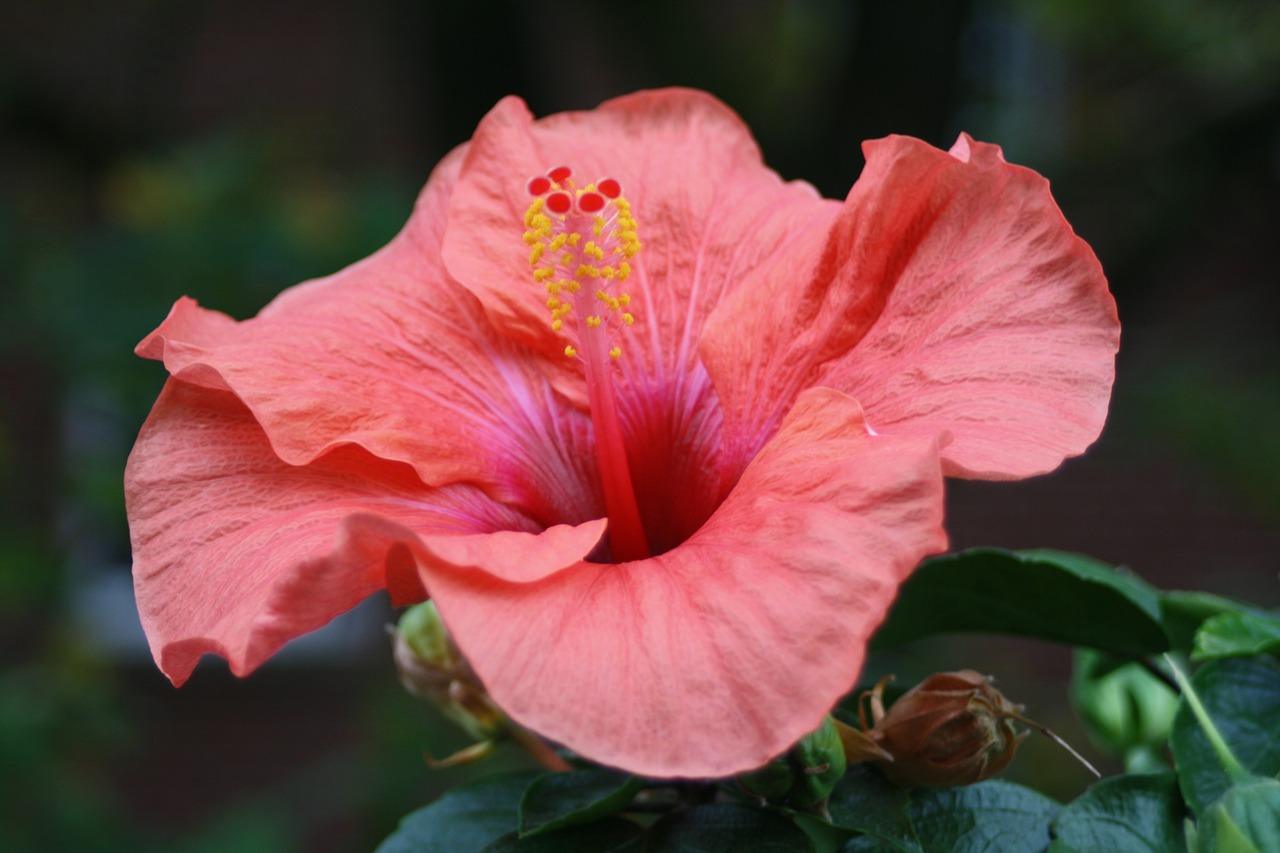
(624,271)
(597,225)
(553,302)
(572,286)
(616,352)
(557,324)
(567,258)
(553,287)
(608,272)
(532,213)
(628,318)
(543,274)
(575,238)
(535,254)
(532,237)
(570,351)
(558,241)
(593,321)
(624,299)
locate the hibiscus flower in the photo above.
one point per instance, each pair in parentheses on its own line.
(660,433)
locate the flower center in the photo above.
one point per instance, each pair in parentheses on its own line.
(581,242)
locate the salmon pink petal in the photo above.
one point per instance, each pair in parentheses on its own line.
(707,208)
(236,552)
(391,355)
(711,658)
(966,307)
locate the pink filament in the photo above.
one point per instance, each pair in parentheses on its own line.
(627,539)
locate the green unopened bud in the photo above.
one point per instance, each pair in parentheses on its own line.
(1127,710)
(432,668)
(953,728)
(805,775)
(819,757)
(773,781)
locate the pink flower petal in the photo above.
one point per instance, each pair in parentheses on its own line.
(713,657)
(392,356)
(989,319)
(712,219)
(708,211)
(236,552)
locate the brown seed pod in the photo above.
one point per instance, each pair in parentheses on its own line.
(953,728)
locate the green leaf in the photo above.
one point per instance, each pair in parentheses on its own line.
(610,833)
(1121,814)
(864,801)
(557,800)
(1245,820)
(467,818)
(1242,697)
(726,828)
(1045,594)
(992,815)
(1236,635)
(1184,612)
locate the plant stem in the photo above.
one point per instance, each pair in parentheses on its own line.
(539,749)
(1150,666)
(1234,769)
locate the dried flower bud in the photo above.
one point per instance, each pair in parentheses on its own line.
(432,668)
(953,728)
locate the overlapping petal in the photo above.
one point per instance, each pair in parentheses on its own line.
(953,299)
(714,657)
(392,356)
(236,552)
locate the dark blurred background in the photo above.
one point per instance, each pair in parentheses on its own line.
(228,150)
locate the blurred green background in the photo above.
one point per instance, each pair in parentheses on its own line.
(228,150)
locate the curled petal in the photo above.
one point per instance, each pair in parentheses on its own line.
(392,356)
(711,658)
(236,552)
(952,299)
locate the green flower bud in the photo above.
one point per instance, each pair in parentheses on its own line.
(805,775)
(820,761)
(432,668)
(1126,709)
(773,781)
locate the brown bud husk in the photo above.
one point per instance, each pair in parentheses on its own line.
(953,728)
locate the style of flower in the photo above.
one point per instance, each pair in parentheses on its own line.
(659,432)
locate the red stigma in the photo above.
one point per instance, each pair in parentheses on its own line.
(609,187)
(560,174)
(559,202)
(590,202)
(539,185)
